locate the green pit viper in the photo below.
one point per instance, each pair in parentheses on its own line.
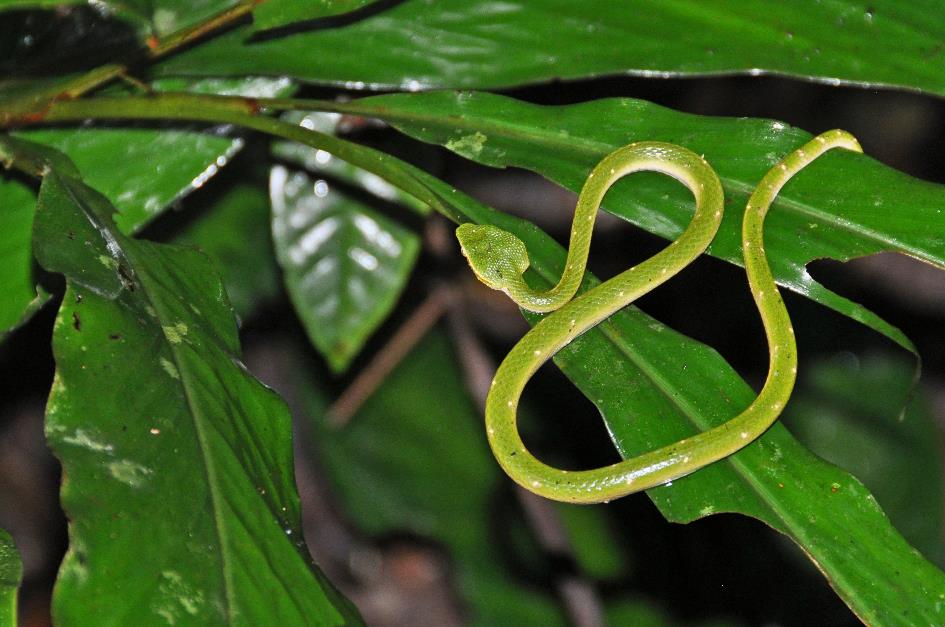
(499,260)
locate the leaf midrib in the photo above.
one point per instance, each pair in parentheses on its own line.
(210,471)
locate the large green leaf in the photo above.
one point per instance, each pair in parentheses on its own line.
(143,170)
(344,264)
(479,43)
(11,569)
(179,483)
(826,211)
(654,386)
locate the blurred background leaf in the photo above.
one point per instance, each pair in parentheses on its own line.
(18,294)
(344,263)
(234,232)
(856,413)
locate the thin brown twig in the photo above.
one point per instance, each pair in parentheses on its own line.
(386,359)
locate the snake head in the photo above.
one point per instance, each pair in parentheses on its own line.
(497,257)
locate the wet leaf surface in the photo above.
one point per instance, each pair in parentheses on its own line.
(482,44)
(344,263)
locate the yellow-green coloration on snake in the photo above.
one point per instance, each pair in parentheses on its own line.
(499,258)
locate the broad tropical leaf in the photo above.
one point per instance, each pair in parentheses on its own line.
(183,448)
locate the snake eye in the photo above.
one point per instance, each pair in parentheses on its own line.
(497,257)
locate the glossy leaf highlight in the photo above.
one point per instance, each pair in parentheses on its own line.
(483,44)
(344,263)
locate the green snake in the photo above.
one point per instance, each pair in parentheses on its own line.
(499,259)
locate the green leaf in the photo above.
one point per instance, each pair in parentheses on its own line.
(482,44)
(234,232)
(273,13)
(415,459)
(344,264)
(894,451)
(142,171)
(164,436)
(596,549)
(11,570)
(679,387)
(18,295)
(824,212)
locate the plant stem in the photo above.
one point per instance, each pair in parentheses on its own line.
(246,112)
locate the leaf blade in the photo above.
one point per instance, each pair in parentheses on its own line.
(344,264)
(460,44)
(189,415)
(808,220)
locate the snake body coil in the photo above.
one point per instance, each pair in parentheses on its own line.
(499,258)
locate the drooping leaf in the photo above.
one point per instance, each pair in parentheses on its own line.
(851,413)
(275,13)
(11,570)
(179,487)
(235,233)
(344,263)
(483,44)
(826,211)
